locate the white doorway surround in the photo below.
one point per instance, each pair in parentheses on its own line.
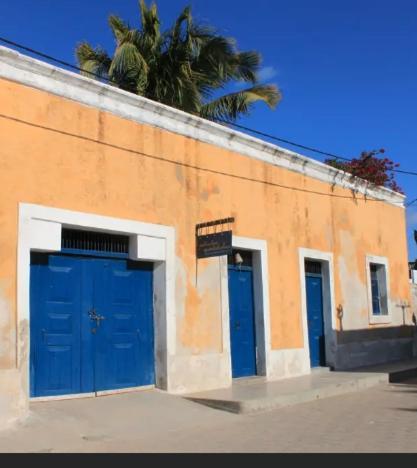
(40,230)
(326,260)
(259,250)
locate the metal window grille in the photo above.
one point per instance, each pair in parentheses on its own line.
(313,267)
(94,241)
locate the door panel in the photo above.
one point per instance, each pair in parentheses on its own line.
(242,322)
(124,351)
(55,326)
(88,281)
(315,320)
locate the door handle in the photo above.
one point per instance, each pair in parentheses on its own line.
(237,325)
(98,319)
(94,316)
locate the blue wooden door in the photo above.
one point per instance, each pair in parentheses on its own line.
(71,352)
(315,320)
(242,321)
(124,345)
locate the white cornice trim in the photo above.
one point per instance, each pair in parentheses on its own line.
(30,72)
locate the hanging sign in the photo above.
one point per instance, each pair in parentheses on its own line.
(214,238)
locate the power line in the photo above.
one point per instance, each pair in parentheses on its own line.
(364,198)
(242,127)
(282,140)
(308,148)
(49,57)
(410,203)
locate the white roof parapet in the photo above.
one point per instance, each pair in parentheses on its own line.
(40,75)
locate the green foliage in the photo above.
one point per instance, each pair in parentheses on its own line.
(185,66)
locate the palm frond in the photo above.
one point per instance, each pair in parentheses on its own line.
(143,11)
(230,106)
(92,61)
(128,67)
(247,66)
(150,21)
(216,62)
(119,28)
(175,33)
(134,36)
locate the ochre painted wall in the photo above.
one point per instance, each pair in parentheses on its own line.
(65,155)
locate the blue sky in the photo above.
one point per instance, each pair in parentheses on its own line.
(347,68)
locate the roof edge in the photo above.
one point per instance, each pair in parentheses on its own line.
(28,71)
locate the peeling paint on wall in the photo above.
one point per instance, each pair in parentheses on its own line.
(7,329)
(201,325)
(354,297)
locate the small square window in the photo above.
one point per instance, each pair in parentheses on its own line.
(379,289)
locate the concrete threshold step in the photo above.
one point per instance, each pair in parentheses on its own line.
(258,394)
(264,396)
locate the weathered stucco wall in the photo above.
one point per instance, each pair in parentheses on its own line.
(65,155)
(59,153)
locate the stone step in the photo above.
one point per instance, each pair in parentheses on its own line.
(263,396)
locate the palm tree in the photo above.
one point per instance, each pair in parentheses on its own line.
(185,67)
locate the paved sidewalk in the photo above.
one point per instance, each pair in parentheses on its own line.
(380,419)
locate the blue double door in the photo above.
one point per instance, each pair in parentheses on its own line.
(91,324)
(242,321)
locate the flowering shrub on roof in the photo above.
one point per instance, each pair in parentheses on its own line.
(377,170)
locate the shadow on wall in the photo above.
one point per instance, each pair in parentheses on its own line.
(374,346)
(375,334)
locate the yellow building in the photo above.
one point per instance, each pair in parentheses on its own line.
(100,287)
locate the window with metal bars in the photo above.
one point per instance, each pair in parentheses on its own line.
(91,241)
(313,267)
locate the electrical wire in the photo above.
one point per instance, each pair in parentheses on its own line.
(353,197)
(242,127)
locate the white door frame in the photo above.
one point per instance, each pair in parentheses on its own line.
(259,250)
(40,230)
(326,259)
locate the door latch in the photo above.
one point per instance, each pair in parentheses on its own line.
(94,316)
